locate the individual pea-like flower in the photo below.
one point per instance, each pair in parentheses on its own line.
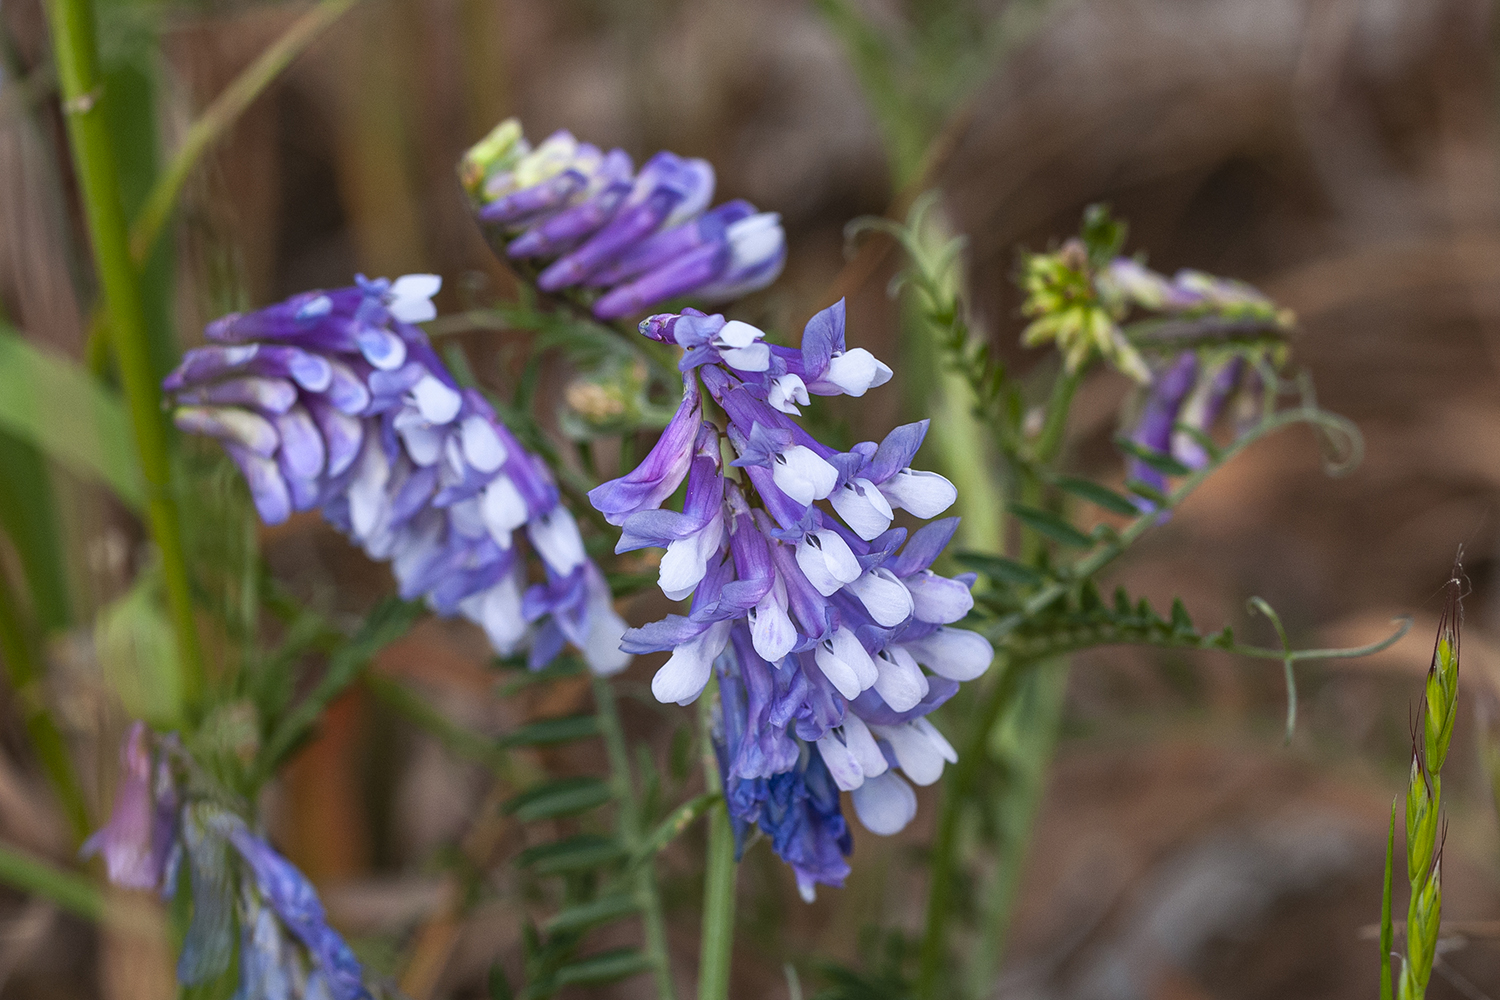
(832,633)
(137,840)
(287,950)
(333,400)
(634,239)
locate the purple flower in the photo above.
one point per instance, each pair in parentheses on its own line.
(1153,430)
(638,238)
(831,631)
(333,400)
(137,840)
(295,902)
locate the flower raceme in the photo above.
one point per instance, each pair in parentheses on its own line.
(634,238)
(287,949)
(820,620)
(333,400)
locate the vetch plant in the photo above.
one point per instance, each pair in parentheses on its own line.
(839,649)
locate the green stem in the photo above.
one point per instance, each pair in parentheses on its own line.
(643,874)
(17,648)
(68,891)
(717,944)
(77,57)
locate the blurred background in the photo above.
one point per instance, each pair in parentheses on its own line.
(1340,154)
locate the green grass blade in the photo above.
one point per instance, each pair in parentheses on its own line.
(68,891)
(1387,928)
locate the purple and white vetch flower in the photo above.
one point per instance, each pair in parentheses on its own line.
(831,635)
(633,238)
(333,400)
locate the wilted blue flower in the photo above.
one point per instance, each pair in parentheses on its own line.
(639,238)
(287,949)
(822,618)
(333,400)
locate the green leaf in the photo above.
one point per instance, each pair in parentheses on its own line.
(562,797)
(1048,524)
(670,828)
(28,514)
(563,666)
(1099,496)
(137,650)
(1160,461)
(65,889)
(999,568)
(591,914)
(546,732)
(55,405)
(571,854)
(605,967)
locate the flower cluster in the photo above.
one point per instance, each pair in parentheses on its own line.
(636,238)
(1187,394)
(287,949)
(821,619)
(333,400)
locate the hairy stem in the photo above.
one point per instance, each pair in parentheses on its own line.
(77,57)
(643,874)
(717,944)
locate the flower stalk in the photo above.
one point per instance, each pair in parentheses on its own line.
(717,938)
(76,52)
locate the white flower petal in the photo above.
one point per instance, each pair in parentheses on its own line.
(884,597)
(900,682)
(885,804)
(503,509)
(863,508)
(682,678)
(424,443)
(483,448)
(755,358)
(925,494)
(381,348)
(556,539)
(842,765)
(787,393)
(498,611)
(939,600)
(602,649)
(686,560)
(736,333)
(845,663)
(771,629)
(437,402)
(861,743)
(411,297)
(936,738)
(857,371)
(827,562)
(367,501)
(918,756)
(803,475)
(954,653)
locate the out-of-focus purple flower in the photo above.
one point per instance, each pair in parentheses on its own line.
(137,840)
(639,238)
(333,400)
(831,631)
(295,902)
(1153,430)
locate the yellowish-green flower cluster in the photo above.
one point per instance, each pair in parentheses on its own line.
(1062,295)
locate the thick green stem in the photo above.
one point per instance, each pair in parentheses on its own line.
(18,650)
(77,57)
(631,829)
(717,945)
